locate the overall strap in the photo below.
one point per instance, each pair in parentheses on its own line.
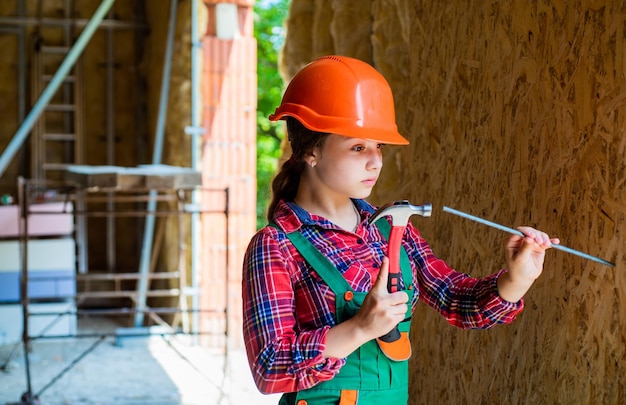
(320,263)
(324,268)
(328,272)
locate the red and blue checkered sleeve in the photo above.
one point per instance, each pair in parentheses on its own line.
(466,302)
(282,356)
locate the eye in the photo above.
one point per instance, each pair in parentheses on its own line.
(358,148)
(380,145)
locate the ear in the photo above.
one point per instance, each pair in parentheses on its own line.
(311,158)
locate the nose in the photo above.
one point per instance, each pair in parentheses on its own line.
(375,158)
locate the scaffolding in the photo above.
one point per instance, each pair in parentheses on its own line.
(132,189)
(47,181)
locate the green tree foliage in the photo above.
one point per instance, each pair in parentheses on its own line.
(269,32)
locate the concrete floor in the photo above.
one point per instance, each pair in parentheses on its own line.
(163,370)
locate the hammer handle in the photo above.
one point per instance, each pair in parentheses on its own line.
(393,251)
(393,282)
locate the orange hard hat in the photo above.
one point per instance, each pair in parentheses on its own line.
(344,96)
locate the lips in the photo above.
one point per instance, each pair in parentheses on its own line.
(369,182)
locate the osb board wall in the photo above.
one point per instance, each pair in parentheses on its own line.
(515,112)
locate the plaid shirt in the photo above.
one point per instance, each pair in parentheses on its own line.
(288,309)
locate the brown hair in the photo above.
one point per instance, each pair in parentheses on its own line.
(286,182)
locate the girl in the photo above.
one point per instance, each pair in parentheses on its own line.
(315,280)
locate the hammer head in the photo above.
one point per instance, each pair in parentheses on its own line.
(400,211)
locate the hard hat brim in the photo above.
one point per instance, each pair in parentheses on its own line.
(339,126)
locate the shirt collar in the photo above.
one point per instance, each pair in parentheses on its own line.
(290,217)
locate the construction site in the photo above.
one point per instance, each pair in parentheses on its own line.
(127,197)
(128,187)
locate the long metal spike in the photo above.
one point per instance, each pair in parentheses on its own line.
(516,232)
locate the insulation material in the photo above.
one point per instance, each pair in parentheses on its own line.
(515,113)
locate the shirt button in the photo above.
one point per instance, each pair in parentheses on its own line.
(359,241)
(348,295)
(301,402)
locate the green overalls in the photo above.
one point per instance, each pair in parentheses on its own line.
(368,377)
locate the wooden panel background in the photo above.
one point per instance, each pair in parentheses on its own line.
(515,112)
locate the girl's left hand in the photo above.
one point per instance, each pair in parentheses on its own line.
(525,256)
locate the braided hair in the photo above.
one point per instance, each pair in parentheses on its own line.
(287,180)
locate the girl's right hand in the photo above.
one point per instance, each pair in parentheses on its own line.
(380,313)
(381,310)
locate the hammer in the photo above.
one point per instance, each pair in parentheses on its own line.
(400,212)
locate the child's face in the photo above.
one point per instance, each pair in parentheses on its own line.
(348,166)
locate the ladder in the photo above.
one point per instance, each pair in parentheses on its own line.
(56,137)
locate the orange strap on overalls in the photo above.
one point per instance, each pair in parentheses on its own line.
(349,397)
